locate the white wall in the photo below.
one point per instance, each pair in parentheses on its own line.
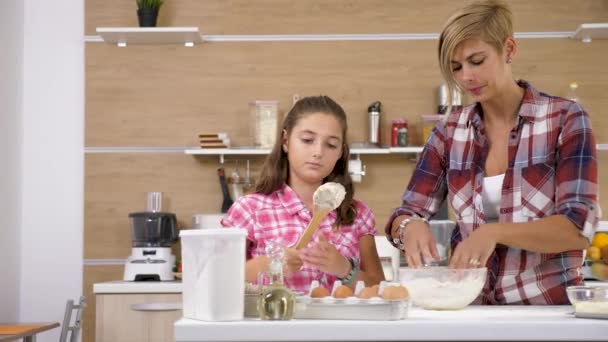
(51,227)
(11,82)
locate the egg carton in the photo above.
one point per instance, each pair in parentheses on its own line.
(352,307)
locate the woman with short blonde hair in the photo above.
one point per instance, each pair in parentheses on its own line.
(518,167)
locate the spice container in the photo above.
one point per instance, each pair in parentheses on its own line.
(399,133)
(264,123)
(403,135)
(395,126)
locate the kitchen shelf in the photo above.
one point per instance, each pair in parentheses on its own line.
(233,151)
(153,37)
(588,32)
(122,36)
(191,35)
(409,149)
(356,150)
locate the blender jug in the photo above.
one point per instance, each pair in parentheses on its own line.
(153,228)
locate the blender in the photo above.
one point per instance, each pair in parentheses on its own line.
(152,233)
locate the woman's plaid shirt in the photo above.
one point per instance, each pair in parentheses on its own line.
(552,170)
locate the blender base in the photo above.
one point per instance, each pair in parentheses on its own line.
(150,264)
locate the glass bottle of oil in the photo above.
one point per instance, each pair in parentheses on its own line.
(276,302)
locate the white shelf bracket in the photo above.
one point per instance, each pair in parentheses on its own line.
(417,158)
(222,159)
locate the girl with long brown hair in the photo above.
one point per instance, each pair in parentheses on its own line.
(311,150)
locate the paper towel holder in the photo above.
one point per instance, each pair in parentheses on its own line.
(356,169)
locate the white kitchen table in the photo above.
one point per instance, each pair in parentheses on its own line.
(474,323)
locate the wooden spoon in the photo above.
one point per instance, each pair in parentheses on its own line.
(317,217)
(326,198)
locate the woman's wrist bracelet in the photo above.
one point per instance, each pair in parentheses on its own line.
(398,241)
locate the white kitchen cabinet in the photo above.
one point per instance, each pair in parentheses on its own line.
(136,317)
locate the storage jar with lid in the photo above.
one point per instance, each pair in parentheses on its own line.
(264,122)
(429,121)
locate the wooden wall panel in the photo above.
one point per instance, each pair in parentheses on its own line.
(550,64)
(117,184)
(92,275)
(337,16)
(201,89)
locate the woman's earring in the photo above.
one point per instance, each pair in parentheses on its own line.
(509,60)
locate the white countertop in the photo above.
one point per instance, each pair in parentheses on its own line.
(121,286)
(474,323)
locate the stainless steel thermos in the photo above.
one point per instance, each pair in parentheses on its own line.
(444,102)
(373,112)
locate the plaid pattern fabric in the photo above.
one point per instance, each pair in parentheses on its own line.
(552,170)
(282,217)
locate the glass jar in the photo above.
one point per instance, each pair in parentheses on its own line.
(572,94)
(396,125)
(428,123)
(264,123)
(276,301)
(403,135)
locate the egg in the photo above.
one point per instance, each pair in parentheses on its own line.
(395,292)
(343,291)
(319,292)
(367,292)
(376,288)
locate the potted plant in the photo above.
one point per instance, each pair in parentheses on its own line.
(147,12)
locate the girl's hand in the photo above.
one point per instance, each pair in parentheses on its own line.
(293,261)
(325,257)
(476,249)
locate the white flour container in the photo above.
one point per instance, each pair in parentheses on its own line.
(213,273)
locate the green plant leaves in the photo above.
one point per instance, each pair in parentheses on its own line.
(153,4)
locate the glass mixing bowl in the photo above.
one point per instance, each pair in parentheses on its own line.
(589,300)
(443,288)
(580,293)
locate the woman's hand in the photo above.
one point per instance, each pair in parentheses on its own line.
(419,243)
(325,257)
(293,261)
(474,251)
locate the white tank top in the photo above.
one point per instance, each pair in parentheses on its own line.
(491,194)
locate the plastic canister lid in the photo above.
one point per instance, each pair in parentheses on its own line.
(264,102)
(224,232)
(431,117)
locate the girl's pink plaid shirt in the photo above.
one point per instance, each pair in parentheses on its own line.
(282,217)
